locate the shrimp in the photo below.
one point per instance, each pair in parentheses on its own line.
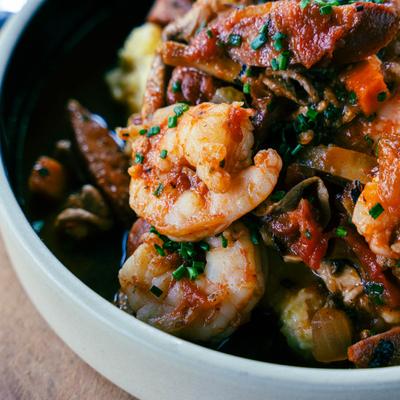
(381,229)
(195,176)
(210,307)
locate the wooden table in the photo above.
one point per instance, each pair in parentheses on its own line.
(34,362)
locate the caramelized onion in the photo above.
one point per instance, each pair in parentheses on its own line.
(332,334)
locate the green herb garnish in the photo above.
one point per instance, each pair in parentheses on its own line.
(154,130)
(160,250)
(247,88)
(139,158)
(376,211)
(163,154)
(176,87)
(159,190)
(382,96)
(172,121)
(156,291)
(341,232)
(235,40)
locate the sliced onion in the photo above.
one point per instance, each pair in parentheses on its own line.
(339,162)
(332,334)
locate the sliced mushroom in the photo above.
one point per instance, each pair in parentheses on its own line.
(86,214)
(292,85)
(293,197)
(106,164)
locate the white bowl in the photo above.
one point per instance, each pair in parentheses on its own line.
(140,359)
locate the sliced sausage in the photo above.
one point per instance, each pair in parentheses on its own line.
(105,162)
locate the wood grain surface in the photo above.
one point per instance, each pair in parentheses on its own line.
(34,362)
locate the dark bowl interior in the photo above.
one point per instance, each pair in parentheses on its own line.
(64,53)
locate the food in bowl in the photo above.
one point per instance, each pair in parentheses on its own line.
(256,179)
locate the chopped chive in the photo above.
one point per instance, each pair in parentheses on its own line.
(283,61)
(382,96)
(308,234)
(255,236)
(368,139)
(143,132)
(156,291)
(220,44)
(278,40)
(204,246)
(274,64)
(374,291)
(160,250)
(172,121)
(177,87)
(199,266)
(249,72)
(179,273)
(259,41)
(278,195)
(193,274)
(326,9)
(352,98)
(264,29)
(180,109)
(187,250)
(312,114)
(297,149)
(154,130)
(247,88)
(153,230)
(304,4)
(341,232)
(209,33)
(43,172)
(224,241)
(159,190)
(163,154)
(38,226)
(376,210)
(139,158)
(235,40)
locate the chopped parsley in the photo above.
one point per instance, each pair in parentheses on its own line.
(376,211)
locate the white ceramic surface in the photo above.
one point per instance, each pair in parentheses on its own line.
(145,362)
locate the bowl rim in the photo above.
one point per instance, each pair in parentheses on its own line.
(76,291)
